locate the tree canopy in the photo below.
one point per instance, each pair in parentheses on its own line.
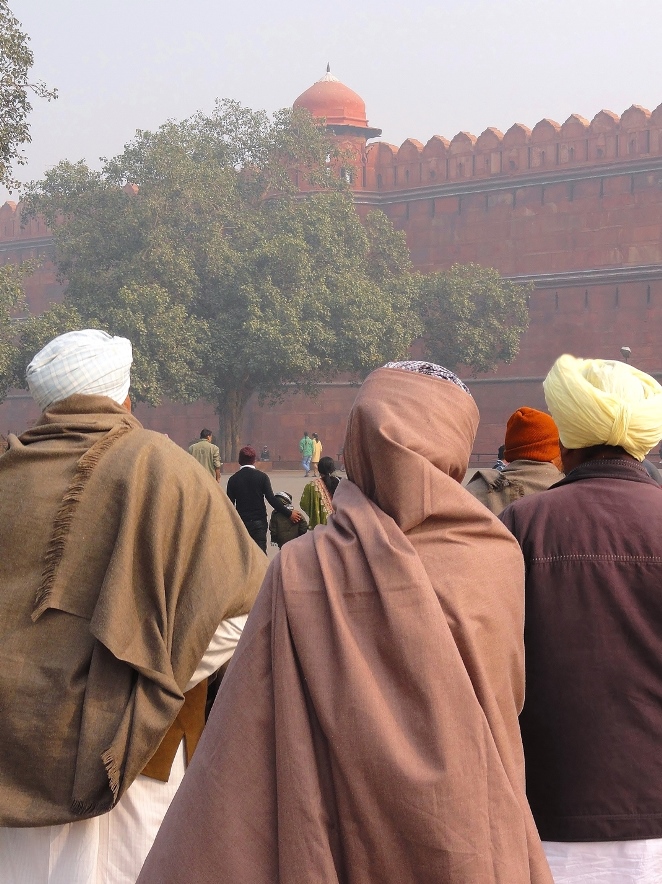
(472,317)
(16,59)
(228,249)
(11,303)
(197,244)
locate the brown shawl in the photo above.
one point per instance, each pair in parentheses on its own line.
(498,488)
(119,556)
(367,727)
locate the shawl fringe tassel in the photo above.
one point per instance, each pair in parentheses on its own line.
(65,515)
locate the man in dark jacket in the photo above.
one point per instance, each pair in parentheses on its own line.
(592,719)
(247,489)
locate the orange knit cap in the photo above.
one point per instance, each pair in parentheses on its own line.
(531,435)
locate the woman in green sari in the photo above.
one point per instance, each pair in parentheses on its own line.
(317,495)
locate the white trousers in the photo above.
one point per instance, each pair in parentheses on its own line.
(605,862)
(112,848)
(107,849)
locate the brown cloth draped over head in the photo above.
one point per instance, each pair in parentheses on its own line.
(367,727)
(117,563)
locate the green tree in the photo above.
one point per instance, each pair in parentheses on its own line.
(11,303)
(197,243)
(472,317)
(16,59)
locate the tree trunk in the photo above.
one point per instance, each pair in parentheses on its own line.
(230,409)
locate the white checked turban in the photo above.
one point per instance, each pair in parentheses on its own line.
(603,402)
(88,361)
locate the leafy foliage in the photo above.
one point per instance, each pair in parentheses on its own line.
(11,303)
(16,59)
(197,244)
(472,317)
(228,249)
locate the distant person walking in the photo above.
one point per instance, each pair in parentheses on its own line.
(247,490)
(317,453)
(306,449)
(316,500)
(501,462)
(281,527)
(207,454)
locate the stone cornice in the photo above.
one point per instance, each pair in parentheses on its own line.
(36,242)
(602,276)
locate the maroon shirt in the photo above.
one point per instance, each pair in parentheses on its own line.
(592,718)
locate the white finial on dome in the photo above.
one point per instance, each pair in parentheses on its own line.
(328,76)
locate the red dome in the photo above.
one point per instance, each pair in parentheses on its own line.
(337,103)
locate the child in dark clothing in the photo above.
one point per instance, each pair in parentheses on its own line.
(281,528)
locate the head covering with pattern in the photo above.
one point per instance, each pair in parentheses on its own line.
(89,361)
(430,369)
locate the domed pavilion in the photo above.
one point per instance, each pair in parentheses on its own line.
(340,106)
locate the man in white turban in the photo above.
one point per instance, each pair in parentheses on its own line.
(592,718)
(91,362)
(125,580)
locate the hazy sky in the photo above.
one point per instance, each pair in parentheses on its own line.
(422,68)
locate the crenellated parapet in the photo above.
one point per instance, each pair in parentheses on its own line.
(548,147)
(12,229)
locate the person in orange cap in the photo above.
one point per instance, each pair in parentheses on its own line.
(532,452)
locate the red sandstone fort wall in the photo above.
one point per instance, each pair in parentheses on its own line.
(576,207)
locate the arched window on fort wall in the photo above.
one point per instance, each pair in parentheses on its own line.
(379,182)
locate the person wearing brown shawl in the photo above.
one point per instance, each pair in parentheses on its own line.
(533,459)
(367,727)
(119,558)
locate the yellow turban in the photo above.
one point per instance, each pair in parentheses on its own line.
(604,402)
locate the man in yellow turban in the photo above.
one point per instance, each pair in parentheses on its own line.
(592,719)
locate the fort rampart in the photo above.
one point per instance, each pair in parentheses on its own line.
(576,208)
